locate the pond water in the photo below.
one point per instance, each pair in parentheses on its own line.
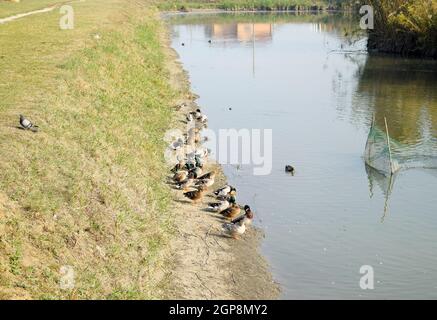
(309,79)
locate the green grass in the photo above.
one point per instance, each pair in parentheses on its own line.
(87,190)
(8,8)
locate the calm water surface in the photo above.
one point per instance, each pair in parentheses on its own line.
(303,77)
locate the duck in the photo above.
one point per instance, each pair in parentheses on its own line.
(289,169)
(209,175)
(178,166)
(222,205)
(247,216)
(231,212)
(191,140)
(206,182)
(180,176)
(190,164)
(196,114)
(197,170)
(192,131)
(202,119)
(179,143)
(200,153)
(196,195)
(224,191)
(200,162)
(184,185)
(190,117)
(233,193)
(234,230)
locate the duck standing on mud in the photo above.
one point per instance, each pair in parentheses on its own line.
(207,179)
(222,205)
(247,217)
(180,176)
(209,175)
(224,191)
(196,195)
(231,212)
(187,183)
(235,230)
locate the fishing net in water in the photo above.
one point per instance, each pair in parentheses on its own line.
(378,153)
(389,156)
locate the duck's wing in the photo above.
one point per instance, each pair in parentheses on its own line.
(228,227)
(236,220)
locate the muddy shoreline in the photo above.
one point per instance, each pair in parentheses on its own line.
(204,263)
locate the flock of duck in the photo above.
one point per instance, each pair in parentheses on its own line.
(189,176)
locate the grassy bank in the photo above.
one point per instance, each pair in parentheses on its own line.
(405,27)
(8,8)
(234,5)
(87,190)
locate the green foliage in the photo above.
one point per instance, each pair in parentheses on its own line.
(405,26)
(234,5)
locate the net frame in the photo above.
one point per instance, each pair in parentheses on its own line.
(378,152)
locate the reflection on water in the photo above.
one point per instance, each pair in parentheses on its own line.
(385,184)
(318,92)
(243,32)
(406,91)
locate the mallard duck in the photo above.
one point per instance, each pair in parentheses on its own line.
(196,195)
(190,165)
(180,176)
(187,182)
(247,216)
(196,114)
(197,170)
(209,175)
(231,212)
(233,193)
(222,205)
(203,119)
(190,117)
(178,167)
(224,191)
(199,162)
(234,229)
(206,182)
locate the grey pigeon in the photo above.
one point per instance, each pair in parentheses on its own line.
(26,124)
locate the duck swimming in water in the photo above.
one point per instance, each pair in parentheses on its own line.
(289,169)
